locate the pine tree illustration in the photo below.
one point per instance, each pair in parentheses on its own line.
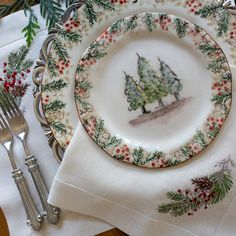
(150,82)
(170,79)
(135,95)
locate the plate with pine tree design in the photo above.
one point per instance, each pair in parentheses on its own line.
(84,25)
(153,90)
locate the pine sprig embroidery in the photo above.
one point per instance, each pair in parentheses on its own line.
(52,11)
(181,27)
(222,16)
(200,139)
(15,72)
(208,49)
(95,52)
(53,106)
(205,191)
(116,27)
(216,65)
(17,61)
(54,86)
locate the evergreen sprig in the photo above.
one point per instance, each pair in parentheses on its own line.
(55,85)
(70,36)
(200,138)
(138,155)
(219,10)
(59,49)
(53,106)
(30,29)
(149,21)
(208,49)
(205,191)
(181,27)
(85,106)
(131,23)
(52,67)
(221,98)
(17,61)
(116,27)
(226,76)
(216,65)
(89,11)
(52,11)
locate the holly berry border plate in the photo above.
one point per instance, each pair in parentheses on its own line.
(101,85)
(83,27)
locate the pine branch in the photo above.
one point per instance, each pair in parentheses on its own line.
(59,49)
(222,183)
(95,52)
(131,24)
(17,61)
(181,27)
(216,65)
(138,156)
(70,36)
(53,106)
(104,4)
(209,10)
(226,76)
(52,67)
(58,127)
(149,21)
(54,86)
(200,138)
(30,29)
(89,12)
(85,85)
(202,184)
(113,142)
(52,11)
(176,196)
(187,151)
(221,98)
(86,106)
(8,9)
(224,16)
(99,129)
(223,23)
(208,49)
(116,27)
(176,208)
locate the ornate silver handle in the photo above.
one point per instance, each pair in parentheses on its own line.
(51,213)
(33,217)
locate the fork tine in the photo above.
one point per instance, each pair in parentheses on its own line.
(2,120)
(10,99)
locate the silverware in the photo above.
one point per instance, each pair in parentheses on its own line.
(19,127)
(6,139)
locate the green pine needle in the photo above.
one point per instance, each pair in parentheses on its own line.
(53,106)
(58,127)
(52,11)
(54,86)
(59,49)
(31,28)
(181,27)
(70,36)
(89,12)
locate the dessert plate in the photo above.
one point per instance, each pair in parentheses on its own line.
(153,90)
(86,24)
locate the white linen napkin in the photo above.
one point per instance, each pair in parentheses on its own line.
(70,223)
(92,183)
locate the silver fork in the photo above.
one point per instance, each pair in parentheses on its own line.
(19,127)
(33,217)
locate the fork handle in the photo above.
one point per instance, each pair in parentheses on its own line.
(33,217)
(51,213)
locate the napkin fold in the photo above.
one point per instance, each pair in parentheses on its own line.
(92,183)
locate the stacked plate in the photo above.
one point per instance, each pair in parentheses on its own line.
(149,80)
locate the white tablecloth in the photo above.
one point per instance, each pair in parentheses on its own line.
(71,223)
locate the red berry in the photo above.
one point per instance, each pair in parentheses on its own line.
(153,164)
(28,71)
(0,79)
(118,150)
(22,74)
(4,71)
(19,82)
(179,191)
(60,71)
(4,64)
